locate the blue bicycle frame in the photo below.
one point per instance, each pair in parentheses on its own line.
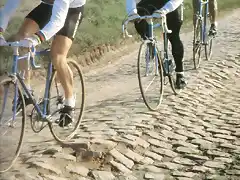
(201,4)
(15,73)
(151,27)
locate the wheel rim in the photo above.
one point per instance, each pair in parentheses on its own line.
(10,125)
(150,77)
(64,134)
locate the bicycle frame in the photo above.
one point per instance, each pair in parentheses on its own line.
(199,14)
(165,47)
(16,76)
(150,39)
(151,27)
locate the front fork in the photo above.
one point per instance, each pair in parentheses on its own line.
(152,50)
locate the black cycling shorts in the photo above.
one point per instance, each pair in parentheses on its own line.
(42,14)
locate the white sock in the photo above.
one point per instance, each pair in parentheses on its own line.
(180,73)
(70,102)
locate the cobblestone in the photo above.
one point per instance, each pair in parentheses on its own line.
(121,158)
(183,149)
(184,161)
(214,164)
(154,176)
(153,155)
(184,174)
(103,175)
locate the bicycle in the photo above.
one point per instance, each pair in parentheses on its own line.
(45,110)
(201,36)
(162,66)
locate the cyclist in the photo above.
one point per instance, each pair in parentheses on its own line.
(212,12)
(170,8)
(60,19)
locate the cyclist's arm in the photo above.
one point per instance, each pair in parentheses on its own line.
(7,11)
(57,20)
(131,6)
(171,5)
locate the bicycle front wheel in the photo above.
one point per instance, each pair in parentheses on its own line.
(197,44)
(209,39)
(150,75)
(56,99)
(12,123)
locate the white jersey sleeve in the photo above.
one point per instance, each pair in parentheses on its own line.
(168,7)
(172,5)
(7,11)
(59,14)
(131,6)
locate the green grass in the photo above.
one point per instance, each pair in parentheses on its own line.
(102,23)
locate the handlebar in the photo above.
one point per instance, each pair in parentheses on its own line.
(29,56)
(163,24)
(16,44)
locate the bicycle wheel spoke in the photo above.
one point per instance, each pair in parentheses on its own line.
(149,84)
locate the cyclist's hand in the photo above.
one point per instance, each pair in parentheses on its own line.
(30,41)
(133,17)
(159,13)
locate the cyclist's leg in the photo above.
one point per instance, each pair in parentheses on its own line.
(145,8)
(34,21)
(59,59)
(60,46)
(142,26)
(195,8)
(213,14)
(174,23)
(28,28)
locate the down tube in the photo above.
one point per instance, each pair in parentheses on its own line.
(46,100)
(14,71)
(200,4)
(205,21)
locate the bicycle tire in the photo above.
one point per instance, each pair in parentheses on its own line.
(8,81)
(152,108)
(208,51)
(172,74)
(197,46)
(59,139)
(208,45)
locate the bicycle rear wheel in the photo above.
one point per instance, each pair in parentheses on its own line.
(209,39)
(208,48)
(197,44)
(169,65)
(172,76)
(149,65)
(12,123)
(56,99)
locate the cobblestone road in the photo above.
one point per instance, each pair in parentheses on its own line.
(195,135)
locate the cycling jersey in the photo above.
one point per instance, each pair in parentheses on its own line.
(57,20)
(167,5)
